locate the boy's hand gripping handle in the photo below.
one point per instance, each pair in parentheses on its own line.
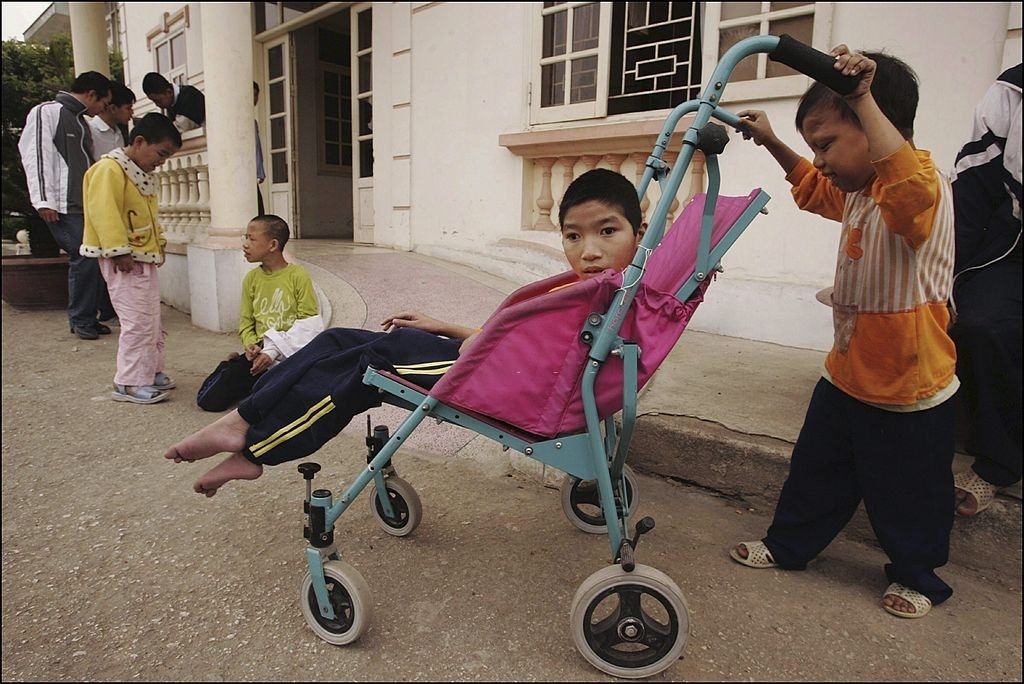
(813,63)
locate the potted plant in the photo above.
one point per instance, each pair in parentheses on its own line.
(31,74)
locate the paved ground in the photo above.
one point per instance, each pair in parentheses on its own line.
(114,570)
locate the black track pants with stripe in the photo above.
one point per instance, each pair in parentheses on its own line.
(303,402)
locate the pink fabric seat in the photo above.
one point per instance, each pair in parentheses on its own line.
(526,366)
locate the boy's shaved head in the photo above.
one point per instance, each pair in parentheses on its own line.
(274,227)
(609,188)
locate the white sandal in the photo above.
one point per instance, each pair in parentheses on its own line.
(915,598)
(758,555)
(983,492)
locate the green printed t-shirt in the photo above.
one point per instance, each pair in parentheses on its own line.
(274,300)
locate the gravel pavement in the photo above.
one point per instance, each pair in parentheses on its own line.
(113,569)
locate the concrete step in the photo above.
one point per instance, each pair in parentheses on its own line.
(520,260)
(752,468)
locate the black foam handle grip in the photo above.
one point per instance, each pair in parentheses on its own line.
(813,63)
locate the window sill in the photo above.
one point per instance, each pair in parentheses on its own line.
(592,139)
(775,88)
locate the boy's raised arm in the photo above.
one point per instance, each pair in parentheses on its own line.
(909,194)
(883,137)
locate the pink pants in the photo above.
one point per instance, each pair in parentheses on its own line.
(136,299)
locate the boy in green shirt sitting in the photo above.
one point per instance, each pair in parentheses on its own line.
(279,316)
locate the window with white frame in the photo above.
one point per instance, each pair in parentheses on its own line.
(758,77)
(169,57)
(269,15)
(596,59)
(739,20)
(334,102)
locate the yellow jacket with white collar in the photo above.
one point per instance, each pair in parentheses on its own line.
(119,219)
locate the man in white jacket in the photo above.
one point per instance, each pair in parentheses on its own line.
(56,150)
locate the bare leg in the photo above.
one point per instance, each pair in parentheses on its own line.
(234,467)
(226,434)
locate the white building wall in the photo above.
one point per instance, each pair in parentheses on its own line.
(468,86)
(449,78)
(139,19)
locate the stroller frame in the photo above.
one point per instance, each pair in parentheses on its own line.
(588,455)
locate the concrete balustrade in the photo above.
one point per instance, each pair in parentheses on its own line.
(185,197)
(556,157)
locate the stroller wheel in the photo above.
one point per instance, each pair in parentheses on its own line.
(350,598)
(581,501)
(405,503)
(630,624)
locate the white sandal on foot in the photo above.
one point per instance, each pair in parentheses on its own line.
(983,492)
(758,555)
(915,598)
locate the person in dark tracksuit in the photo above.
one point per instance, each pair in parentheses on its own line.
(184,105)
(987,294)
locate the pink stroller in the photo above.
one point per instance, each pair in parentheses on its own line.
(627,619)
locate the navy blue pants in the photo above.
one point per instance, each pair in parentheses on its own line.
(900,464)
(87,291)
(988,348)
(300,404)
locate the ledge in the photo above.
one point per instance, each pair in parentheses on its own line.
(192,141)
(617,138)
(179,248)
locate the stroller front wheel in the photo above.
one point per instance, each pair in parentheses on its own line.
(581,501)
(405,502)
(350,598)
(630,624)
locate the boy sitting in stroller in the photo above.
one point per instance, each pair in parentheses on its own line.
(302,403)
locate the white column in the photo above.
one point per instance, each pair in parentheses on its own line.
(215,264)
(89,37)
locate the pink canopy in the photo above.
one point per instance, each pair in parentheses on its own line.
(526,366)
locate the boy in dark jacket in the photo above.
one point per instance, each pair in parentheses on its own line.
(184,105)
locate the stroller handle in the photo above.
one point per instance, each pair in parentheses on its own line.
(814,63)
(784,49)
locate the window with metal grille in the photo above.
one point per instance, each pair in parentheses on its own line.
(655,60)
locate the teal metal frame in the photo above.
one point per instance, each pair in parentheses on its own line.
(589,455)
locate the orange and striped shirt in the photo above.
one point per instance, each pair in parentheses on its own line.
(893,278)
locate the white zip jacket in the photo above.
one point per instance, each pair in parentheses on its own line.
(56,151)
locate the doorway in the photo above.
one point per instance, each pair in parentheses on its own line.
(322,128)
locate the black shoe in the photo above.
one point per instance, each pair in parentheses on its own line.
(102,329)
(85,333)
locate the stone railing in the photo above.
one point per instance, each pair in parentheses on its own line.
(185,194)
(559,156)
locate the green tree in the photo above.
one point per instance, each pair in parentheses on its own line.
(32,74)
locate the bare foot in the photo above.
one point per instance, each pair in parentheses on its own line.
(896,603)
(234,467)
(741,550)
(226,434)
(966,504)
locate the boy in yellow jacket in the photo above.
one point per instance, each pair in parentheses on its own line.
(879,427)
(122,231)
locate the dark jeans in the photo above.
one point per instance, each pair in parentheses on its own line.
(87,291)
(900,464)
(988,347)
